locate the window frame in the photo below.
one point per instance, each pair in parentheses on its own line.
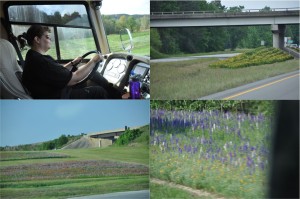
(55,26)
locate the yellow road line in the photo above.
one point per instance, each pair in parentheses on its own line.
(259,87)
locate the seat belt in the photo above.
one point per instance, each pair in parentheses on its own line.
(13,40)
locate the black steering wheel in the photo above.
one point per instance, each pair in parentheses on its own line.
(92,73)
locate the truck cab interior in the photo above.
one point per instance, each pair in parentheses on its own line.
(77,27)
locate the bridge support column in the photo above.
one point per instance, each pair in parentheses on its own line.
(278,35)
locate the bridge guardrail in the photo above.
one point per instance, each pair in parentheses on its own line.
(221,11)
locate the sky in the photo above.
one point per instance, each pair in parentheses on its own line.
(125,7)
(143,6)
(258,4)
(254,4)
(33,121)
(108,7)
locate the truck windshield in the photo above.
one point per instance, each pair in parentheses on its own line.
(71,32)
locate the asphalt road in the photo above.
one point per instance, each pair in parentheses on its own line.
(281,87)
(175,59)
(143,194)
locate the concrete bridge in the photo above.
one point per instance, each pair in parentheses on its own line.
(106,138)
(278,18)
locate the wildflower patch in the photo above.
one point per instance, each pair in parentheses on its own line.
(220,152)
(258,56)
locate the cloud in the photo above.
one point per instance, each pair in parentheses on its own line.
(70,110)
(126,7)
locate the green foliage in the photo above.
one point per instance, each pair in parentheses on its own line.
(128,137)
(258,56)
(62,140)
(235,9)
(156,54)
(144,137)
(155,39)
(254,36)
(246,106)
(168,38)
(293,32)
(135,23)
(55,144)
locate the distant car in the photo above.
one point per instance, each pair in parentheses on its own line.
(293,45)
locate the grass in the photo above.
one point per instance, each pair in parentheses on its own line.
(75,187)
(28,155)
(194,79)
(144,137)
(138,154)
(164,192)
(76,172)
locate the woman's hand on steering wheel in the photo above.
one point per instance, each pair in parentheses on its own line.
(76,61)
(97,58)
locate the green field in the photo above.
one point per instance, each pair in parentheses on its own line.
(194,79)
(76,172)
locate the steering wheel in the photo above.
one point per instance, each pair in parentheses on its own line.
(92,73)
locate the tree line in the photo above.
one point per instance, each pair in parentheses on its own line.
(246,106)
(48,145)
(209,39)
(135,23)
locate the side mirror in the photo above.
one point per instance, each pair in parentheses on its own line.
(126,40)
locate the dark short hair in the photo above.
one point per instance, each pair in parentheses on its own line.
(36,30)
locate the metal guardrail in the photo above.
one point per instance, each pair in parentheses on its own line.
(226,11)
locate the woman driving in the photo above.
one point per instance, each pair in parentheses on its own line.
(47,79)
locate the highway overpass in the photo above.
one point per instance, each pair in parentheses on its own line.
(277,18)
(106,138)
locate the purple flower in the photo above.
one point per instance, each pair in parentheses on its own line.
(249,162)
(179,150)
(245,147)
(239,133)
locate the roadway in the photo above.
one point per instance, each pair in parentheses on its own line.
(143,194)
(176,59)
(281,87)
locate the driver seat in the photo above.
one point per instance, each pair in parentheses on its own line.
(10,73)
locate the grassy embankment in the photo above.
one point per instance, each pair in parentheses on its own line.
(195,78)
(76,172)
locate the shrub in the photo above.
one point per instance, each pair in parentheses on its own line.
(128,136)
(256,57)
